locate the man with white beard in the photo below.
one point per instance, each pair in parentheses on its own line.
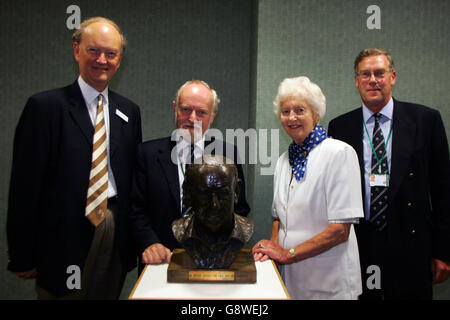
(157,190)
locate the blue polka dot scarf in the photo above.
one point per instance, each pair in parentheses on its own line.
(298,154)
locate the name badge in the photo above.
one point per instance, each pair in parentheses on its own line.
(379,180)
(121,115)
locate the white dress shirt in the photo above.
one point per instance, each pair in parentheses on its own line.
(329,191)
(90,96)
(183,156)
(385,125)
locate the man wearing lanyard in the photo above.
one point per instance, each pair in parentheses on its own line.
(162,163)
(404,240)
(379,154)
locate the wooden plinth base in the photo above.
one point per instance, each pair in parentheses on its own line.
(183,269)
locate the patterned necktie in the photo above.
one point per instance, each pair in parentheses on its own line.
(186,210)
(190,156)
(97,196)
(378,194)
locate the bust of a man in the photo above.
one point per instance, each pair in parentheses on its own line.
(213,233)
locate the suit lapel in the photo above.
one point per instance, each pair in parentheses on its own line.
(403,137)
(170,169)
(355,138)
(79,112)
(115,125)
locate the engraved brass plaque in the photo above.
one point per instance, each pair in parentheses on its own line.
(182,269)
(211,275)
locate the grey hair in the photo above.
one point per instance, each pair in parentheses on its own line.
(216,100)
(303,88)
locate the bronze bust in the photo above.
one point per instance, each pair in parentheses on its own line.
(213,233)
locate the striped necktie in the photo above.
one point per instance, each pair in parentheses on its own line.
(378,194)
(97,196)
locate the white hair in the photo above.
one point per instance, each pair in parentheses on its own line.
(303,88)
(216,100)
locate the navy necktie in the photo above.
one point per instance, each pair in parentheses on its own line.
(185,210)
(378,194)
(192,157)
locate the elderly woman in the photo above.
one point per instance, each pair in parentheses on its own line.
(317,198)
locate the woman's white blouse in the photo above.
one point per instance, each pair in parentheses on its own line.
(329,191)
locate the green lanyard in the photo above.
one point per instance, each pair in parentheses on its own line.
(373,148)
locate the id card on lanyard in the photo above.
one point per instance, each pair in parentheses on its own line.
(378,179)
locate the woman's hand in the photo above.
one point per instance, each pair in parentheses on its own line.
(266,249)
(333,235)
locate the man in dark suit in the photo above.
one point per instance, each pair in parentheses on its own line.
(50,236)
(157,193)
(404,240)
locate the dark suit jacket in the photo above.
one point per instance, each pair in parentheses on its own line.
(46,226)
(418,220)
(156,194)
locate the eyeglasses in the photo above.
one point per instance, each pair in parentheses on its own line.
(109,54)
(366,75)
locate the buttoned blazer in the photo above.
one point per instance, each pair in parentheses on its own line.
(418,217)
(46,225)
(156,194)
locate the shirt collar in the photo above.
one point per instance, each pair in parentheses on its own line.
(387,111)
(90,94)
(184,147)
